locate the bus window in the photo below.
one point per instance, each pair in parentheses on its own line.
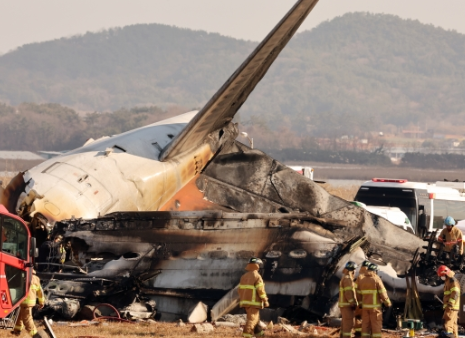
(14,238)
(444,208)
(456,209)
(16,282)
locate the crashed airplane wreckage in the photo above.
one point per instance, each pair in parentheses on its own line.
(181,257)
(171,213)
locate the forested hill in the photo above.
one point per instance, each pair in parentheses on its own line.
(140,64)
(356,72)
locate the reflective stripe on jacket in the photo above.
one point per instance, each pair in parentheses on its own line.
(347,295)
(252,289)
(452,293)
(61,254)
(35,293)
(371,292)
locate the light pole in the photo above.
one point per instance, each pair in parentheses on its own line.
(248,138)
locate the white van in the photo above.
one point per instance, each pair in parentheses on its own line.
(392,214)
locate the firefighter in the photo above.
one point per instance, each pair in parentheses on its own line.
(252,297)
(358,310)
(451,236)
(25,313)
(451,301)
(371,293)
(347,299)
(51,252)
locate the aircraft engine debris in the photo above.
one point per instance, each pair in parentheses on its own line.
(171,212)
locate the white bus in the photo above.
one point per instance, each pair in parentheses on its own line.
(425,204)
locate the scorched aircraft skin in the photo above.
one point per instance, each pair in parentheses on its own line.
(176,208)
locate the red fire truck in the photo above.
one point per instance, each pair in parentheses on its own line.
(18,248)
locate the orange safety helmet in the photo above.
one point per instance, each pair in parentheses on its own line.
(443,270)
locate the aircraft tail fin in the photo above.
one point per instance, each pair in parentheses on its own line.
(222,107)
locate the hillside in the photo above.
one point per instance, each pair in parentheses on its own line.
(358,72)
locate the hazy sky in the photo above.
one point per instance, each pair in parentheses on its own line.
(26,21)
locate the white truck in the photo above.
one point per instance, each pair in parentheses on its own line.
(392,214)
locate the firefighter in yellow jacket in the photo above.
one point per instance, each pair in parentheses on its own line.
(451,300)
(451,236)
(347,299)
(25,314)
(252,297)
(371,293)
(358,310)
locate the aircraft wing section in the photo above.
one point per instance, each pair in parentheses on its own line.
(222,107)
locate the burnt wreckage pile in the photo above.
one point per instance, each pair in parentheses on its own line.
(126,278)
(137,259)
(177,258)
(128,281)
(123,279)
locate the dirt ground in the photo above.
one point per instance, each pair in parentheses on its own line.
(171,330)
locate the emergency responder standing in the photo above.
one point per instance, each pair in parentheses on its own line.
(451,301)
(358,310)
(371,293)
(51,252)
(25,313)
(252,297)
(451,236)
(347,299)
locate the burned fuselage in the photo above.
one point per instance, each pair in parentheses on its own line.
(201,254)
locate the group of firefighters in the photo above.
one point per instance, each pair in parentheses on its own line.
(360,299)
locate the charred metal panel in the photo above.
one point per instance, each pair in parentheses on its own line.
(250,176)
(229,196)
(211,254)
(387,241)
